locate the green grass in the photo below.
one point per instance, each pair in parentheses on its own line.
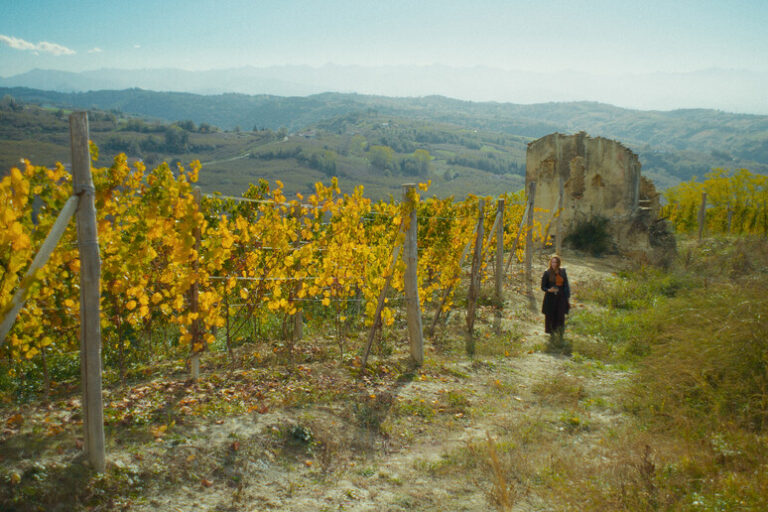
(698,339)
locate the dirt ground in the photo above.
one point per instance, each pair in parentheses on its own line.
(458,434)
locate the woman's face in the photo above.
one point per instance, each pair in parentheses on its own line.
(554,263)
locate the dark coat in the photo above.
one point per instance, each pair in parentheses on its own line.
(556,305)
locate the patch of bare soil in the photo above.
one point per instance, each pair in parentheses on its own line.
(457,434)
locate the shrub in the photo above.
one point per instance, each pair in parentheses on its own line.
(591,235)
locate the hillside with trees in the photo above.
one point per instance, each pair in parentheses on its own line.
(673,145)
(380,152)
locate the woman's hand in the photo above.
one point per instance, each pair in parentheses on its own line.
(553,289)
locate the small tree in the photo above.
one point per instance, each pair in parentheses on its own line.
(381,157)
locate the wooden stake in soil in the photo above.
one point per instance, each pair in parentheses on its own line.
(380,305)
(226,320)
(474,279)
(529,246)
(499,298)
(298,318)
(298,325)
(411,256)
(491,233)
(194,293)
(90,292)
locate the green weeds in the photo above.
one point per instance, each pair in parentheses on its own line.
(697,337)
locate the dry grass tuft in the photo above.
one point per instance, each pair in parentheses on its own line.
(562,389)
(503,493)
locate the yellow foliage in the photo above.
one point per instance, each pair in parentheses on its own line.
(158,244)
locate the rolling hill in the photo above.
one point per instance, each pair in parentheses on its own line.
(673,145)
(379,152)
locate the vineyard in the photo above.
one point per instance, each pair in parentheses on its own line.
(733,203)
(182,273)
(282,299)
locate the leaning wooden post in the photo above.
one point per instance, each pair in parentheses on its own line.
(559,227)
(41,258)
(492,233)
(194,302)
(474,279)
(379,306)
(529,246)
(730,216)
(298,318)
(513,252)
(90,292)
(411,257)
(499,298)
(702,214)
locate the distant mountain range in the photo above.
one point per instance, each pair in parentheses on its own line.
(729,90)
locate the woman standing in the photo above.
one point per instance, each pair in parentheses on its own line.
(554,283)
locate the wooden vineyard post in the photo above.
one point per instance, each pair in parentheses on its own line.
(380,305)
(474,280)
(194,293)
(449,289)
(298,318)
(559,225)
(226,320)
(491,233)
(298,325)
(529,246)
(499,298)
(90,292)
(730,216)
(513,252)
(702,214)
(411,257)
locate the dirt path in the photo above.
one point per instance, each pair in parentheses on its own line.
(429,449)
(230,159)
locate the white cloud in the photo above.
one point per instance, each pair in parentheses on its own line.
(95,49)
(137,46)
(43,46)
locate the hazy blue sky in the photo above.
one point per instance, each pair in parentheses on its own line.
(593,36)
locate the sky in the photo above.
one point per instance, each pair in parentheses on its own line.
(597,37)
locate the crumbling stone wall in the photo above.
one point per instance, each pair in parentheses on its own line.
(599,177)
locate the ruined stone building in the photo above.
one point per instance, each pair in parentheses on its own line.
(598,177)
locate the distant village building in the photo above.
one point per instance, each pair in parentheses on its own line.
(598,177)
